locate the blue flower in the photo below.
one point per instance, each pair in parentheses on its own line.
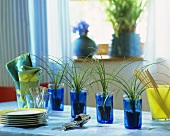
(81,27)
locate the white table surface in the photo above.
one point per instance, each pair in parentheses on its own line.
(92,128)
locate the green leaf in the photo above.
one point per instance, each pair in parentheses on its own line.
(123,14)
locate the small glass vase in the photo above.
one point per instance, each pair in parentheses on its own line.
(24,87)
(35,102)
(132,112)
(57,96)
(78,102)
(104,108)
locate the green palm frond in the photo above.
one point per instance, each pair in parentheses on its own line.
(77,76)
(56,75)
(124,14)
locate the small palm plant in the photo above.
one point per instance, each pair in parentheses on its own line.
(136,84)
(56,75)
(132,88)
(56,86)
(132,99)
(76,77)
(104,78)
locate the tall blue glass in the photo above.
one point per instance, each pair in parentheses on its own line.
(57,97)
(78,102)
(47,101)
(132,112)
(104,108)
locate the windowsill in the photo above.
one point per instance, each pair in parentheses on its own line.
(108,58)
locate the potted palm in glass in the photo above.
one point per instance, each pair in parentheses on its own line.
(132,98)
(76,78)
(56,86)
(132,101)
(104,99)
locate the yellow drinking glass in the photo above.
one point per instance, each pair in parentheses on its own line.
(159,101)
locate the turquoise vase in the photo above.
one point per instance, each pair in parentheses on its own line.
(84,47)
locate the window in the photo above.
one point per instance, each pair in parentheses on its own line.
(100,30)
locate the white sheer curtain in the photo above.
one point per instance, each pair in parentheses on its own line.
(157,45)
(59,38)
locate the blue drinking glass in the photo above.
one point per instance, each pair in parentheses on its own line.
(132,112)
(47,101)
(57,97)
(104,107)
(78,102)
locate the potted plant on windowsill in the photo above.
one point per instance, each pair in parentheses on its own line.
(83,46)
(124,16)
(76,78)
